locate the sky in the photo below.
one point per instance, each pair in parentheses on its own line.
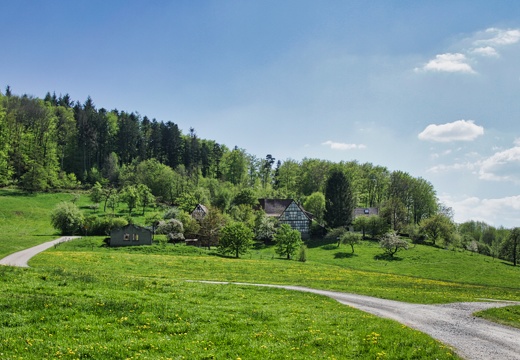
(431,88)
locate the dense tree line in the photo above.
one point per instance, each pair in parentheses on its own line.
(57,143)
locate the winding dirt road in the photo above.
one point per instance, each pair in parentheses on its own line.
(453,324)
(21,258)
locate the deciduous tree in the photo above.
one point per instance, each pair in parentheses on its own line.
(288,240)
(236,238)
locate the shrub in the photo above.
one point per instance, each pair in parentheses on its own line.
(302,255)
(67,218)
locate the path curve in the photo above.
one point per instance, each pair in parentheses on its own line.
(21,258)
(453,324)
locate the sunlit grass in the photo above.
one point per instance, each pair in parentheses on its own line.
(185,263)
(56,313)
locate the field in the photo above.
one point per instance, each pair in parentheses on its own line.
(81,300)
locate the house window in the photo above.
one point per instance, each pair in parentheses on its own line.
(126,237)
(136,237)
(367,211)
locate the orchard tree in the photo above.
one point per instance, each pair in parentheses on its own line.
(288,241)
(339,200)
(130,196)
(392,243)
(96,193)
(438,227)
(350,238)
(146,197)
(236,238)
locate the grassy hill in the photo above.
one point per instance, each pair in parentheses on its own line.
(81,300)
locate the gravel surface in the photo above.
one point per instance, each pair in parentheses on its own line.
(452,324)
(21,258)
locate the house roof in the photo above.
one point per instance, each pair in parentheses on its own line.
(202,207)
(274,207)
(132,226)
(365,211)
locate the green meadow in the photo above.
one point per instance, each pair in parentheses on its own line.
(82,300)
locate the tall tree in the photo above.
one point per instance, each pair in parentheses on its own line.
(512,245)
(339,200)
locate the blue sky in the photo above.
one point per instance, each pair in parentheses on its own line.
(427,87)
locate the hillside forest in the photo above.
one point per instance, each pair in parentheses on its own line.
(56,143)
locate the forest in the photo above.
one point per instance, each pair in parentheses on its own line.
(56,143)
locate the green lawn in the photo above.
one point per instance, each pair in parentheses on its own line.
(81,300)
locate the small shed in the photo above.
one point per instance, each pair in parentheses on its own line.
(199,212)
(130,235)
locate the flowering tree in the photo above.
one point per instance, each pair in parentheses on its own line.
(392,243)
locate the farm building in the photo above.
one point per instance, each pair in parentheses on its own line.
(130,235)
(287,211)
(365,212)
(199,212)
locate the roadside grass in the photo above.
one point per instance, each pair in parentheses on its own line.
(71,314)
(25,219)
(509,315)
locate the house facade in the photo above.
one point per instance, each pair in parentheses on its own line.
(287,211)
(130,235)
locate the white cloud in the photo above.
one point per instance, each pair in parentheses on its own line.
(343,146)
(456,167)
(500,37)
(460,130)
(500,211)
(485,51)
(502,166)
(448,63)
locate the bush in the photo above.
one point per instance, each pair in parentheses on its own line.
(302,255)
(67,218)
(104,225)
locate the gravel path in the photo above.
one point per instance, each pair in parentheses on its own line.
(453,324)
(21,258)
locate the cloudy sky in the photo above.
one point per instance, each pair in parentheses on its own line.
(426,87)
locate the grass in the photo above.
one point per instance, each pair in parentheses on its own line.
(57,313)
(25,219)
(509,315)
(81,300)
